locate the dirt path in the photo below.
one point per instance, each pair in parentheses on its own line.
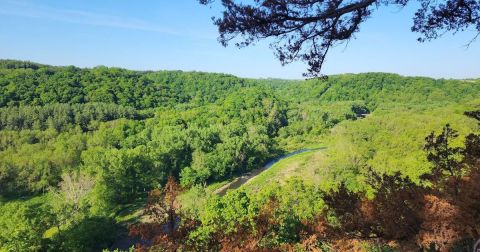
(239,181)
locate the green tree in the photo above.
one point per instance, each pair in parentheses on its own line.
(445,158)
(22,225)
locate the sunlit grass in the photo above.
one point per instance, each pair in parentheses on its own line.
(131,212)
(296,165)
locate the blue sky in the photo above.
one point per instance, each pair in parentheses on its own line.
(179,35)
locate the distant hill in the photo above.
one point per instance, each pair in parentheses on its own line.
(382,88)
(28,83)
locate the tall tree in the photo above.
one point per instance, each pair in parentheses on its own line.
(72,191)
(445,158)
(165,229)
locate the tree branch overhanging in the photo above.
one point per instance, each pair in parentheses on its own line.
(305,30)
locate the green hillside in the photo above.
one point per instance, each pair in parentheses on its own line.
(80,148)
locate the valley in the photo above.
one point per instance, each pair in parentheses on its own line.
(91,154)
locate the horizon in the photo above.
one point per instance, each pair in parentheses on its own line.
(260,78)
(180,36)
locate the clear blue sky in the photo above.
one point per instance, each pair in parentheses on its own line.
(179,34)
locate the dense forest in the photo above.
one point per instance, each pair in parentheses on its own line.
(88,155)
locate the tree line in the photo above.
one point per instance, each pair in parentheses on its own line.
(61,116)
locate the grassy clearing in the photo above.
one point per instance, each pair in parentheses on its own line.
(294,143)
(131,213)
(213,187)
(297,165)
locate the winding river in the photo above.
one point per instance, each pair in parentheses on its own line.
(239,181)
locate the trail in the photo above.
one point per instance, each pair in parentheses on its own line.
(239,181)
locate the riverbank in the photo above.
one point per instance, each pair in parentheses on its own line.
(244,179)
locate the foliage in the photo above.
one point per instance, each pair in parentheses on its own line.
(165,224)
(89,234)
(70,204)
(400,210)
(26,83)
(62,117)
(386,142)
(445,159)
(83,145)
(306,30)
(22,225)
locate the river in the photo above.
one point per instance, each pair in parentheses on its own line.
(239,181)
